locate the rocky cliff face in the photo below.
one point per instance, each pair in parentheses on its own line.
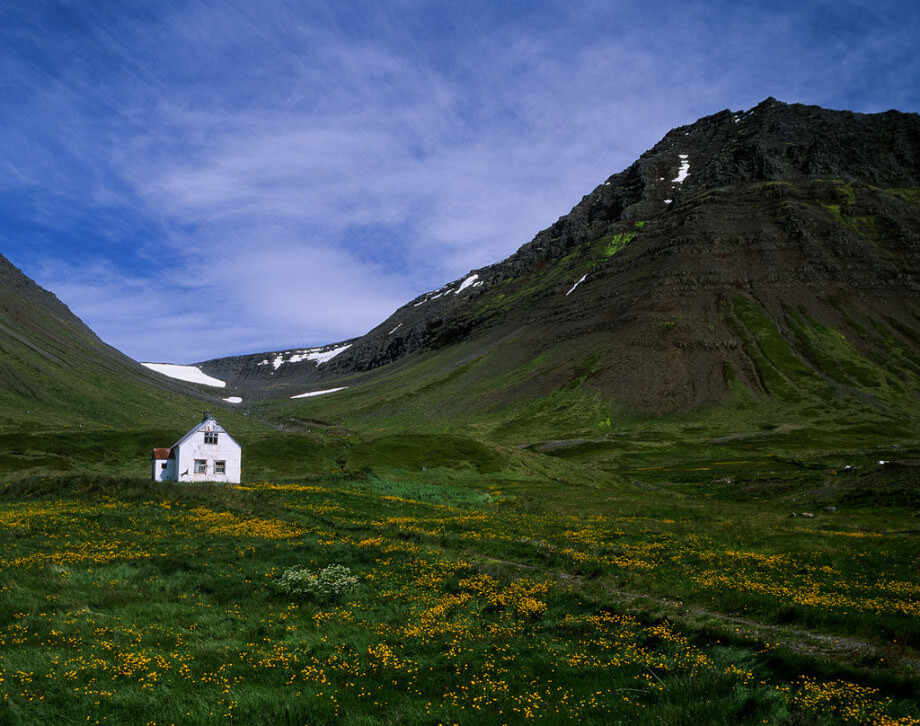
(780,221)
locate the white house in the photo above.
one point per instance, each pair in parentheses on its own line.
(206,453)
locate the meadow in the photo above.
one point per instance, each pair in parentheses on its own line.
(479,600)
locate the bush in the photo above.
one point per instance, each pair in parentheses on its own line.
(331,583)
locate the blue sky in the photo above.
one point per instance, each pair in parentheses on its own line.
(200,179)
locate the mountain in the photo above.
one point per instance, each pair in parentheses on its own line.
(767,256)
(54,371)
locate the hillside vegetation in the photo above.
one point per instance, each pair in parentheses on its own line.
(660,466)
(488,600)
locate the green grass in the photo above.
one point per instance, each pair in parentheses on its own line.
(126,452)
(781,370)
(618,241)
(421,491)
(501,600)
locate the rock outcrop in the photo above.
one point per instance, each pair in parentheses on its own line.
(784,221)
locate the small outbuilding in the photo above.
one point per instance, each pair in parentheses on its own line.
(206,453)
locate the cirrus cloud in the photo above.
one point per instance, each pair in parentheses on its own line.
(198,179)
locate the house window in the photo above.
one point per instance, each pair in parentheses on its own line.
(210,437)
(201,466)
(163,466)
(220,467)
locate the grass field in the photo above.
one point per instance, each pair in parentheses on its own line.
(482,598)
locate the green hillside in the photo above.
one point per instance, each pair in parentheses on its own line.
(768,302)
(661,466)
(69,403)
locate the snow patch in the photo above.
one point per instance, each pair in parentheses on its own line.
(684,170)
(191,374)
(431,296)
(319,393)
(395,329)
(668,201)
(234,399)
(471,281)
(319,355)
(576,284)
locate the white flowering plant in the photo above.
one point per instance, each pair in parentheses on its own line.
(330,583)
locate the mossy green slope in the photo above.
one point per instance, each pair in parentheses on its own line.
(70,403)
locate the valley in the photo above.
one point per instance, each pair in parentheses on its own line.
(659,466)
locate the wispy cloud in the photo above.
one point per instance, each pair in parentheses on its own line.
(198,179)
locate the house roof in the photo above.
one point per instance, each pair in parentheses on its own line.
(161,453)
(209,423)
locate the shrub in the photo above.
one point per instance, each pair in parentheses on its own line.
(331,583)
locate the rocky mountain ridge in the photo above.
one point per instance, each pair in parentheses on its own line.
(780,216)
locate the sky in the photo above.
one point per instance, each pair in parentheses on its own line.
(196,179)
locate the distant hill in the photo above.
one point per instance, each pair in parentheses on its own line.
(54,371)
(753,273)
(767,256)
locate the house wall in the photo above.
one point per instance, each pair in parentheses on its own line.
(194,447)
(164,474)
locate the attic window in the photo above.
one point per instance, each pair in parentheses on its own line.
(210,437)
(201,466)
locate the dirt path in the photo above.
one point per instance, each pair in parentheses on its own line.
(838,648)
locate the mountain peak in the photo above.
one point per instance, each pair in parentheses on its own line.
(780,211)
(776,141)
